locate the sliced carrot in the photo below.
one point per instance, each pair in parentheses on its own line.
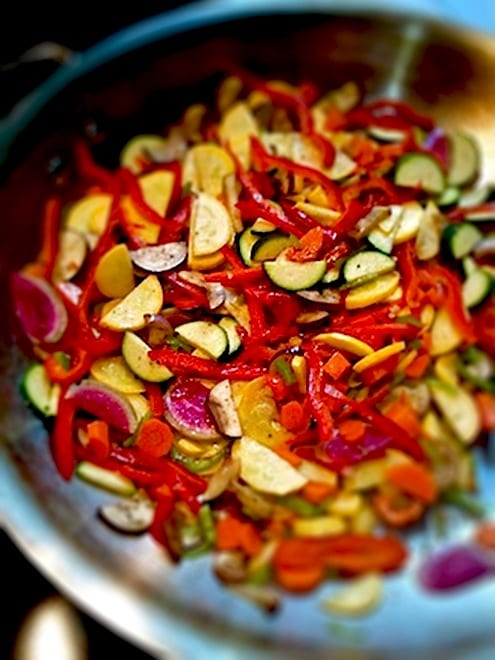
(414,479)
(309,246)
(154,437)
(317,492)
(235,534)
(336,365)
(485,535)
(352,430)
(292,416)
(486,406)
(418,366)
(397,511)
(300,580)
(98,438)
(348,552)
(403,414)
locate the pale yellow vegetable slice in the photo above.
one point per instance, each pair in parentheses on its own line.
(135,352)
(131,312)
(205,166)
(372,292)
(211,226)
(345,343)
(208,262)
(379,356)
(72,250)
(204,335)
(316,472)
(114,372)
(157,188)
(446,368)
(114,274)
(445,336)
(138,149)
(410,220)
(222,405)
(459,410)
(319,526)
(89,214)
(139,404)
(236,128)
(358,596)
(265,470)
(428,237)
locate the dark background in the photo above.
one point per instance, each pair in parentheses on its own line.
(76,25)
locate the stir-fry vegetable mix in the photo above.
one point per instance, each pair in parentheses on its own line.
(271,330)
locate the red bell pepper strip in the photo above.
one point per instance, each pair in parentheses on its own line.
(266,161)
(81,363)
(232,258)
(154,395)
(61,440)
(315,395)
(89,170)
(50,234)
(409,274)
(136,195)
(241,278)
(163,511)
(259,207)
(183,364)
(399,438)
(387,114)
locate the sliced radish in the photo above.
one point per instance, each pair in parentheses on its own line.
(39,309)
(187,409)
(104,403)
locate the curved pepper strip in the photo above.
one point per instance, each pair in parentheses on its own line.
(183,364)
(61,440)
(266,161)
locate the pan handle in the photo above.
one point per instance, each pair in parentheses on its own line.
(22,77)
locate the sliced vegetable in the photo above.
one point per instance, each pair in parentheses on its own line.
(114,372)
(222,405)
(271,247)
(114,274)
(210,227)
(187,410)
(132,311)
(205,335)
(366,265)
(461,238)
(265,470)
(359,596)
(139,151)
(131,516)
(106,479)
(159,258)
(295,276)
(104,403)
(464,159)
(40,391)
(459,410)
(376,291)
(135,352)
(38,308)
(420,170)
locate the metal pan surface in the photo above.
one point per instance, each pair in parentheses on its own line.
(138,79)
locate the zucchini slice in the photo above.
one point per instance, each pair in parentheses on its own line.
(42,394)
(266,249)
(418,170)
(247,240)
(106,479)
(205,335)
(464,160)
(293,275)
(461,238)
(230,326)
(366,265)
(135,353)
(476,287)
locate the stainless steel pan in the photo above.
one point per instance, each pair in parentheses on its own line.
(138,80)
